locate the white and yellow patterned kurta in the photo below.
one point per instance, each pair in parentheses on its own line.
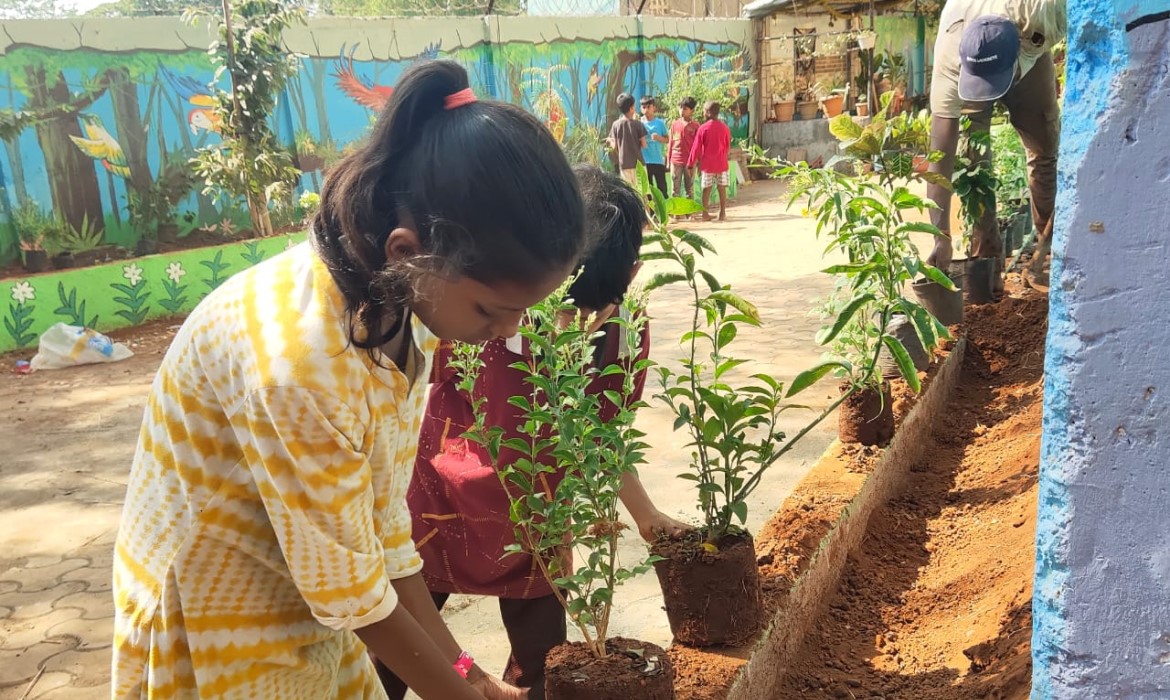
(265,515)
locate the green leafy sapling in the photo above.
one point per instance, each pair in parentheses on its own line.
(733,426)
(865,222)
(564,433)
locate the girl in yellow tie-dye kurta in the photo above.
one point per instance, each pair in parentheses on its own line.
(265,519)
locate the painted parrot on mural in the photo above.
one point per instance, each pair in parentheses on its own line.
(101,146)
(365,92)
(203,115)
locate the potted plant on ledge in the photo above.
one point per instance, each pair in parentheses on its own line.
(864,221)
(709,577)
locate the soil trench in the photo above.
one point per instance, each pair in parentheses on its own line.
(937,604)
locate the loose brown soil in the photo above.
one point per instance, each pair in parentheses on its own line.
(712,596)
(937,605)
(633,669)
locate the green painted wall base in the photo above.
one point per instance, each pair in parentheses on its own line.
(125,293)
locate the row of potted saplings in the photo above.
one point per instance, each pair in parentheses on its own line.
(708,575)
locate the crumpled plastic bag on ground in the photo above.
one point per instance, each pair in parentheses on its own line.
(64,346)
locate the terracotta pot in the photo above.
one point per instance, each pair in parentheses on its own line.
(784,110)
(632,669)
(806,110)
(866,417)
(711,597)
(863,109)
(833,105)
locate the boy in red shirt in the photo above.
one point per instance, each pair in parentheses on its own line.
(682,139)
(712,146)
(459,507)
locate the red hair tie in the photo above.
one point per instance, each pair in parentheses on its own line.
(458,99)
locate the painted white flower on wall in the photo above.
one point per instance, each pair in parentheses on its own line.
(23,293)
(175,271)
(132,273)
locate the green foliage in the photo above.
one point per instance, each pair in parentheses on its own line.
(133,301)
(147,8)
(888,145)
(157,204)
(254,255)
(564,433)
(217,267)
(33,225)
(34,9)
(1010,169)
(19,323)
(420,8)
(585,144)
(706,78)
(865,221)
(81,239)
(733,427)
(974,177)
(72,310)
(250,163)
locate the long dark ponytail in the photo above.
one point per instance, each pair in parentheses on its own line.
(485,185)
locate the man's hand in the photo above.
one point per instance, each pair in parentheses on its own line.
(941,256)
(493,688)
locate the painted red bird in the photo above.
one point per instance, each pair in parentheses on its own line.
(365,92)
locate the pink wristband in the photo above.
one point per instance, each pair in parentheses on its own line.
(463,664)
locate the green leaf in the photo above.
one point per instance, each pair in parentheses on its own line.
(811,376)
(938,276)
(918,227)
(712,283)
(657,255)
(660,205)
(846,316)
(905,364)
(727,334)
(736,302)
(740,508)
(844,128)
(694,240)
(662,279)
(644,181)
(681,206)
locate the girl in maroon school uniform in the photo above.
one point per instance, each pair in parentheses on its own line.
(460,510)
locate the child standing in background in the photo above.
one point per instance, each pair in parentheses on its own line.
(460,508)
(654,153)
(712,146)
(682,140)
(628,137)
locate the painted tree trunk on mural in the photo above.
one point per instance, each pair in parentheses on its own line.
(129,128)
(73,182)
(15,160)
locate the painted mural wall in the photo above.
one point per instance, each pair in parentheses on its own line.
(127,100)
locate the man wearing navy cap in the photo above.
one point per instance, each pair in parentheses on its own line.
(989,51)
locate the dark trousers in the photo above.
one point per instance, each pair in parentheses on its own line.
(657,174)
(534,627)
(1035,114)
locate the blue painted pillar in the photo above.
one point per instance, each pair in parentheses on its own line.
(920,56)
(1102,591)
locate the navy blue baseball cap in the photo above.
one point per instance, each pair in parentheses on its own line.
(988,52)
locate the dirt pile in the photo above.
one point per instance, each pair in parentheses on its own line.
(937,604)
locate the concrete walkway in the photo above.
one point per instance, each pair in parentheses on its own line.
(68,438)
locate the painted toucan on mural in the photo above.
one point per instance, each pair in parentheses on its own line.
(365,92)
(203,116)
(101,146)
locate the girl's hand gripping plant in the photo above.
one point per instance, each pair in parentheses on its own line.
(565,434)
(710,582)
